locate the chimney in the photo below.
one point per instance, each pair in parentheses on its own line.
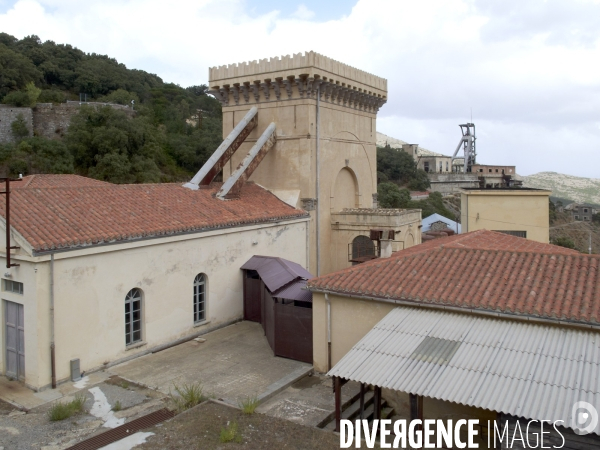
(385,248)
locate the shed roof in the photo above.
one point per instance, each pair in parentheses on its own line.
(77,214)
(295,291)
(276,272)
(522,369)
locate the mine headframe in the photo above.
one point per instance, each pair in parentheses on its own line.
(467,142)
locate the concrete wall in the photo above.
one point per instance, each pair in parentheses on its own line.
(90,288)
(46,119)
(8,114)
(351,319)
(507,210)
(452,182)
(52,121)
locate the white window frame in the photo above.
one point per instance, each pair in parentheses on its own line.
(16,287)
(133,304)
(199,298)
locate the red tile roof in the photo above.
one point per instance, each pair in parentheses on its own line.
(54,181)
(70,217)
(481,270)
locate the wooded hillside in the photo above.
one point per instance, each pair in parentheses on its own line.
(173,132)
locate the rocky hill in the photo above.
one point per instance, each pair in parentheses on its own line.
(384,139)
(578,189)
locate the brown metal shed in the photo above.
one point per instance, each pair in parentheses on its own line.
(274,296)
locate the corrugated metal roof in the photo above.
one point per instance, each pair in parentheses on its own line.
(295,291)
(427,221)
(276,272)
(527,370)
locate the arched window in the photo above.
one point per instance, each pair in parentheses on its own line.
(362,247)
(200,297)
(446,166)
(133,316)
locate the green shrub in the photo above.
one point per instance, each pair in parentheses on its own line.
(564,242)
(249,404)
(64,410)
(230,433)
(16,98)
(187,396)
(51,96)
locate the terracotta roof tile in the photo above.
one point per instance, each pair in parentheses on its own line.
(54,217)
(481,270)
(54,181)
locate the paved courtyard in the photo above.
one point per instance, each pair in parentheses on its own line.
(232,363)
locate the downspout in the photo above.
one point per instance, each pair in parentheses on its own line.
(328,332)
(52,347)
(318,119)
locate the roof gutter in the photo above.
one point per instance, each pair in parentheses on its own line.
(276,221)
(504,315)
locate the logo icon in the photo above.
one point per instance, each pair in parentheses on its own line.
(584,418)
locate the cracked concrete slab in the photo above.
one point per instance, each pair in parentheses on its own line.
(233,363)
(309,401)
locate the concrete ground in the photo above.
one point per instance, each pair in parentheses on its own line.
(18,395)
(308,401)
(232,363)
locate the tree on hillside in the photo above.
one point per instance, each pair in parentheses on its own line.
(35,155)
(107,145)
(15,71)
(400,167)
(389,195)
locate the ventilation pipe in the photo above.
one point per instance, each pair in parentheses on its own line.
(52,346)
(328,332)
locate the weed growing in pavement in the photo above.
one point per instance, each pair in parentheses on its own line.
(230,433)
(249,404)
(124,384)
(186,396)
(64,410)
(117,406)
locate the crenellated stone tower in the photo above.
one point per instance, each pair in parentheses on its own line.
(321,155)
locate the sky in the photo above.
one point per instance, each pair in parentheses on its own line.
(528,71)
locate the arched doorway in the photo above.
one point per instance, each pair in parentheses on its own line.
(345,190)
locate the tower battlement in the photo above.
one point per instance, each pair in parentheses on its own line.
(297,76)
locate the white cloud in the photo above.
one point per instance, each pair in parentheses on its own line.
(528,69)
(303,13)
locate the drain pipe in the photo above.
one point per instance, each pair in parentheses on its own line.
(52,347)
(328,332)
(318,120)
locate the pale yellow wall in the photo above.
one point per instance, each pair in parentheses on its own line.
(346,133)
(518,210)
(351,320)
(347,144)
(346,226)
(90,288)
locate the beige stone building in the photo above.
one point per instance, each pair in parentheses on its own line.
(110,272)
(522,212)
(324,158)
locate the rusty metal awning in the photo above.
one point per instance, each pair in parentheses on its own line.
(276,272)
